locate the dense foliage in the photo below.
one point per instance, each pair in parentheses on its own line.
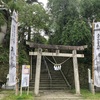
(32,20)
(71,24)
(67,23)
(4,63)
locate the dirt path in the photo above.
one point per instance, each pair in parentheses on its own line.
(57,95)
(3,94)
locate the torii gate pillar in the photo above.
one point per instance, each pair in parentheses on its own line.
(76,73)
(38,70)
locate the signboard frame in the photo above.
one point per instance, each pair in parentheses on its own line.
(25,78)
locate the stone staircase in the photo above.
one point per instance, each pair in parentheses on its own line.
(56,83)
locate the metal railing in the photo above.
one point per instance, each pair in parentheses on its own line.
(49,74)
(65,79)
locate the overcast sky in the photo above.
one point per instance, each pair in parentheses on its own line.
(44,2)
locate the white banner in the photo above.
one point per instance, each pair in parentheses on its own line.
(25,75)
(13,49)
(97,54)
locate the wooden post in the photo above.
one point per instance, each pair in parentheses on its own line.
(20,90)
(17,67)
(38,69)
(76,74)
(31,69)
(17,80)
(93,91)
(89,79)
(28,90)
(93,51)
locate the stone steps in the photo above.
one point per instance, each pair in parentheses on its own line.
(57,80)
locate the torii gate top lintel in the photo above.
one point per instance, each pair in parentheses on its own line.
(55,47)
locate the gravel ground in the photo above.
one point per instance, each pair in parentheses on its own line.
(57,95)
(51,95)
(2,94)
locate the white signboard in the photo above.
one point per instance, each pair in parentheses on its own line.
(25,75)
(13,49)
(97,54)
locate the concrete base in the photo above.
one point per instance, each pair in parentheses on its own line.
(97,89)
(90,87)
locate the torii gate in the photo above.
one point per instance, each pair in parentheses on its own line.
(39,54)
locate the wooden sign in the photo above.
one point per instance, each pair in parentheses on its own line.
(25,77)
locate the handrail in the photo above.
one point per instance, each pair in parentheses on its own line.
(65,79)
(48,71)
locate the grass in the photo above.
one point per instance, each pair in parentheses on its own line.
(89,96)
(10,95)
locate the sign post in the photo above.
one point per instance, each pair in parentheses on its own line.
(25,78)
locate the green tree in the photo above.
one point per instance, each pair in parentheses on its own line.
(33,17)
(68,26)
(69,23)
(90,9)
(4,63)
(39,39)
(31,1)
(2,19)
